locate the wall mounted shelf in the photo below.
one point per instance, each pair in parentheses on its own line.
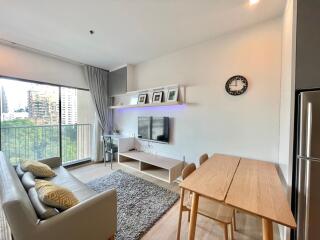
(147,90)
(129,99)
(146,105)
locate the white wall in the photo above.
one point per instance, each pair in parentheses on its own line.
(214,121)
(24,64)
(287,97)
(287,91)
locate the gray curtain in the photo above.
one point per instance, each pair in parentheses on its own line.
(98,87)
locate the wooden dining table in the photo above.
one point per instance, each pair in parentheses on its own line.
(248,185)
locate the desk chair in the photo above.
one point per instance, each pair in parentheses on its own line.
(109,149)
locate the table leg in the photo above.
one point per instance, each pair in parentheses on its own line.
(111,159)
(234,220)
(267,230)
(231,227)
(194,213)
(226,237)
(180,212)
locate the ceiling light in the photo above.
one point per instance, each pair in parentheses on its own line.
(253,2)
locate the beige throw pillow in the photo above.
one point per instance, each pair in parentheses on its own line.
(54,195)
(38,169)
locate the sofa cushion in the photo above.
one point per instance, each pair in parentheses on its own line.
(54,195)
(19,171)
(28,180)
(65,179)
(43,211)
(38,169)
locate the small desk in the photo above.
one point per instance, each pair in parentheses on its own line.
(250,185)
(211,180)
(256,188)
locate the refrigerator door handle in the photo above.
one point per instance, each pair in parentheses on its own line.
(309,130)
(300,222)
(307,192)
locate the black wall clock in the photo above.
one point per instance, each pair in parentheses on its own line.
(236,85)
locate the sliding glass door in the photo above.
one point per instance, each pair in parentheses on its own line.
(76,122)
(29,120)
(42,121)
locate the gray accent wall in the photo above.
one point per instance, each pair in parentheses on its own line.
(118,81)
(308,44)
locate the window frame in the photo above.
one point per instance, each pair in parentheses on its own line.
(73,162)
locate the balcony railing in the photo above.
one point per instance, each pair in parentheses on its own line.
(38,142)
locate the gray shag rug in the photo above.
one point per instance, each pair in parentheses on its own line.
(140,203)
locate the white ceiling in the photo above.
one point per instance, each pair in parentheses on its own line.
(126,31)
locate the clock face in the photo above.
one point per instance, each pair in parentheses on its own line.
(236,85)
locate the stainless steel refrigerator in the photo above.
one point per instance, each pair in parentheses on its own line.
(308,214)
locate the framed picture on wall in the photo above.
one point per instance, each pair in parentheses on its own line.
(142,98)
(157,97)
(172,95)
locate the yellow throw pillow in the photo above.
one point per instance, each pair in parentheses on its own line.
(38,169)
(54,195)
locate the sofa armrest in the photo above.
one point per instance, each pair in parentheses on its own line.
(95,218)
(53,162)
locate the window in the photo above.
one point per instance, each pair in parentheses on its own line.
(76,121)
(34,127)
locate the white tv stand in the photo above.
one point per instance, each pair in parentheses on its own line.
(163,168)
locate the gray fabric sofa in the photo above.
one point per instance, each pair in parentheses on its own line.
(94,218)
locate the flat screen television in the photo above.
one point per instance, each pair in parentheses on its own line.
(153,128)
